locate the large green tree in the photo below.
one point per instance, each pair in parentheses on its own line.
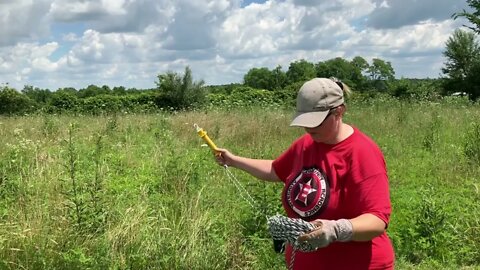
(381,74)
(350,72)
(279,78)
(466,79)
(360,67)
(260,78)
(381,70)
(336,67)
(263,78)
(473,80)
(300,71)
(462,55)
(462,51)
(473,17)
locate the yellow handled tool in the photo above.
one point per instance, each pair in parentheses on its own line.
(203,134)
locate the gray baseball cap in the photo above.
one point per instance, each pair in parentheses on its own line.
(314,100)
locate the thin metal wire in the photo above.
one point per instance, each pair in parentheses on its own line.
(243,192)
(247,197)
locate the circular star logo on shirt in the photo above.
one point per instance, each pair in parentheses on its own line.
(308,193)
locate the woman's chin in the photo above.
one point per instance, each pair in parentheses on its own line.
(316,138)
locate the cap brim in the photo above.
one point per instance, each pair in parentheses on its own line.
(309,119)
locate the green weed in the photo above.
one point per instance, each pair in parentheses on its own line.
(472,143)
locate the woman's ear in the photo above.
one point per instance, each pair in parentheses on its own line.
(340,110)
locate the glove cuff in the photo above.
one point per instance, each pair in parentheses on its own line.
(344,230)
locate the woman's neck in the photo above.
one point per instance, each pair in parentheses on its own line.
(344,131)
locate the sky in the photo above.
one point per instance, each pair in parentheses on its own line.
(53,44)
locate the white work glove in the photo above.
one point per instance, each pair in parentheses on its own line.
(328,231)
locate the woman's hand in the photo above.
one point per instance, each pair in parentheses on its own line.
(224,157)
(328,231)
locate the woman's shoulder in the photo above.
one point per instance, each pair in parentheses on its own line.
(302,140)
(363,143)
(366,156)
(361,136)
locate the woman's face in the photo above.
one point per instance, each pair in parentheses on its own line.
(328,130)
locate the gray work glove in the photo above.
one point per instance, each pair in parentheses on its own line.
(328,231)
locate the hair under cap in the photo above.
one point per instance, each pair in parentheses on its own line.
(314,100)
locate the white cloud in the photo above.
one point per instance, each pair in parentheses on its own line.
(423,37)
(415,51)
(397,13)
(65,10)
(22,20)
(28,56)
(70,37)
(111,72)
(43,64)
(259,30)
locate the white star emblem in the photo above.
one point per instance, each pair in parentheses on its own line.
(305,190)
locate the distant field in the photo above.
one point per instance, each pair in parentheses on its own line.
(140,192)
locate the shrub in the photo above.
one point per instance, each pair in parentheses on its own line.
(13,102)
(182,91)
(103,103)
(63,101)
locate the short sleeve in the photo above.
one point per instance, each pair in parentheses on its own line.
(370,195)
(284,165)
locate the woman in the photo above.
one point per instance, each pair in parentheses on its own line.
(334,177)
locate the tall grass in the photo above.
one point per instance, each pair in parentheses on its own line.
(140,192)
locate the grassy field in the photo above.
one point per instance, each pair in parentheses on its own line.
(141,192)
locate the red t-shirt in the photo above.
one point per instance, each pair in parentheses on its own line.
(343,180)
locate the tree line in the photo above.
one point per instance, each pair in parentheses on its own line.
(358,73)
(176,91)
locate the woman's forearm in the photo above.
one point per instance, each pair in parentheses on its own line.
(259,168)
(366,227)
